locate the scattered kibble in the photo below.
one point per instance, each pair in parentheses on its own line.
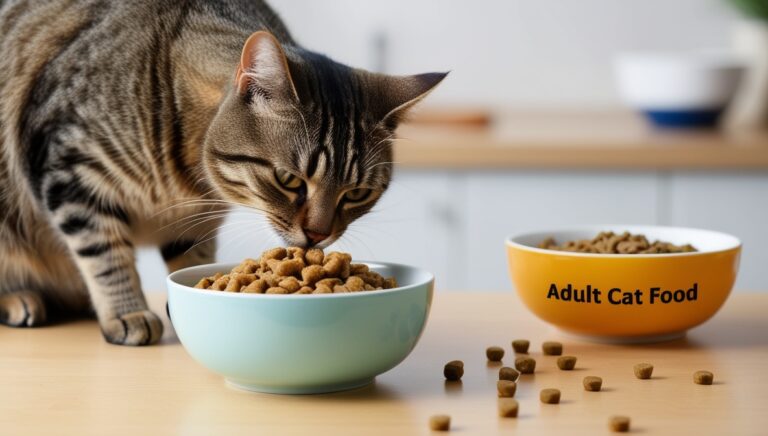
(643,371)
(619,424)
(507,373)
(506,388)
(550,396)
(566,363)
(592,383)
(703,377)
(521,346)
(508,408)
(440,422)
(526,365)
(551,348)
(494,354)
(454,370)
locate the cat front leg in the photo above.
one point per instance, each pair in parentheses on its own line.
(99,238)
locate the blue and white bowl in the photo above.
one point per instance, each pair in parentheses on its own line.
(679,90)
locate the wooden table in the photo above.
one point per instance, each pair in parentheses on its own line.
(65,380)
(575,140)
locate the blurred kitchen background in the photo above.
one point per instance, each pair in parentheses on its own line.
(532,131)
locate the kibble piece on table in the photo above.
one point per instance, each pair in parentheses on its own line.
(506,388)
(440,422)
(521,346)
(703,377)
(494,354)
(550,396)
(454,370)
(551,348)
(507,373)
(566,363)
(526,365)
(643,371)
(508,408)
(592,383)
(619,424)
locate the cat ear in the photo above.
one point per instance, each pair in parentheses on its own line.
(403,92)
(263,69)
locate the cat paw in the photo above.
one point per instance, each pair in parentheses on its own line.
(22,309)
(135,328)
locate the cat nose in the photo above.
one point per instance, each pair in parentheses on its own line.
(315,237)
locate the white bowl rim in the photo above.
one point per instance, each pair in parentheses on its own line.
(226,266)
(732,242)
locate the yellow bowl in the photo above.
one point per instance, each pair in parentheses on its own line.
(625,297)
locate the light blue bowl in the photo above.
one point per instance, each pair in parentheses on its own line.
(300,344)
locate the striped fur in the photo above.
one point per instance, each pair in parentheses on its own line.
(121,124)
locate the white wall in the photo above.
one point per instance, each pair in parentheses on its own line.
(546,53)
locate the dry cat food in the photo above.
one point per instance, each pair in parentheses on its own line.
(592,383)
(550,396)
(506,388)
(521,346)
(619,424)
(551,348)
(614,243)
(566,363)
(526,365)
(703,377)
(294,270)
(454,370)
(508,407)
(440,422)
(494,354)
(643,371)
(507,373)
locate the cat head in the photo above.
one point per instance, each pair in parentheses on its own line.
(306,140)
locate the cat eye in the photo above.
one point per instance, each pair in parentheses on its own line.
(287,180)
(357,195)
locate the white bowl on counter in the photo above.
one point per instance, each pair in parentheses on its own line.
(679,90)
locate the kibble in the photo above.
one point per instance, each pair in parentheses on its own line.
(566,363)
(508,407)
(521,346)
(454,370)
(551,348)
(294,270)
(506,388)
(592,383)
(614,243)
(440,422)
(550,396)
(526,365)
(494,354)
(507,373)
(703,377)
(643,371)
(619,424)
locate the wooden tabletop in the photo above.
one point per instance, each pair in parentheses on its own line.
(572,140)
(64,379)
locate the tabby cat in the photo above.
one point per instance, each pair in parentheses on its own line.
(122,119)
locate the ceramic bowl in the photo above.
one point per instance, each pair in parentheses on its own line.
(625,297)
(679,90)
(300,344)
